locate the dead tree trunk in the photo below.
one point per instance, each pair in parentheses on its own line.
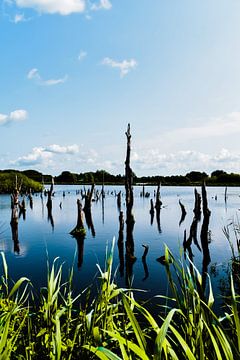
(88,199)
(87,210)
(205,237)
(79,230)
(49,195)
(158,202)
(130,258)
(129,181)
(197,206)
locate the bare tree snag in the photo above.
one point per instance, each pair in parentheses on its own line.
(88,199)
(129,180)
(79,230)
(158,202)
(49,195)
(130,258)
(197,205)
(225,194)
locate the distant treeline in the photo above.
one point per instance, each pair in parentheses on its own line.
(10,178)
(217,177)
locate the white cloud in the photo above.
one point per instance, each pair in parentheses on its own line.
(36,157)
(3,119)
(124,66)
(155,162)
(58,149)
(82,55)
(62,7)
(44,155)
(18,115)
(214,127)
(103,4)
(14,116)
(34,75)
(19,18)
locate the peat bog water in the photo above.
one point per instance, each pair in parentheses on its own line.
(39,240)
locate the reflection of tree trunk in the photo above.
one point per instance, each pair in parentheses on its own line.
(22,209)
(14,228)
(80,244)
(120,244)
(145,267)
(204,237)
(50,218)
(158,212)
(30,199)
(103,209)
(183,213)
(130,258)
(151,211)
(89,221)
(49,195)
(119,200)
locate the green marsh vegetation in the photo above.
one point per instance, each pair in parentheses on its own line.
(114,325)
(8,182)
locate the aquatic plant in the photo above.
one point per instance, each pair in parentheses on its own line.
(113,325)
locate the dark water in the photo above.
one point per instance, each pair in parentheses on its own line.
(39,240)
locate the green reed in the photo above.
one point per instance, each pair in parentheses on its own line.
(114,325)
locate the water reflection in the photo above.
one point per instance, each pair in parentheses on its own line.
(14,229)
(36,233)
(121,244)
(145,267)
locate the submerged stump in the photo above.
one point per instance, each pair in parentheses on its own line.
(79,230)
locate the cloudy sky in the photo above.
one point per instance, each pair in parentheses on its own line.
(74,73)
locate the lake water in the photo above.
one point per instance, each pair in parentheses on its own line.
(39,240)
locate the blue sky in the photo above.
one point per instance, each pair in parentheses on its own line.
(73,73)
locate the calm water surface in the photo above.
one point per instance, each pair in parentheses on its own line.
(39,240)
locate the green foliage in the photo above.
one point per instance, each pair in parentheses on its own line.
(8,182)
(114,325)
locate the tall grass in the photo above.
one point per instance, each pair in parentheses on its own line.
(114,325)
